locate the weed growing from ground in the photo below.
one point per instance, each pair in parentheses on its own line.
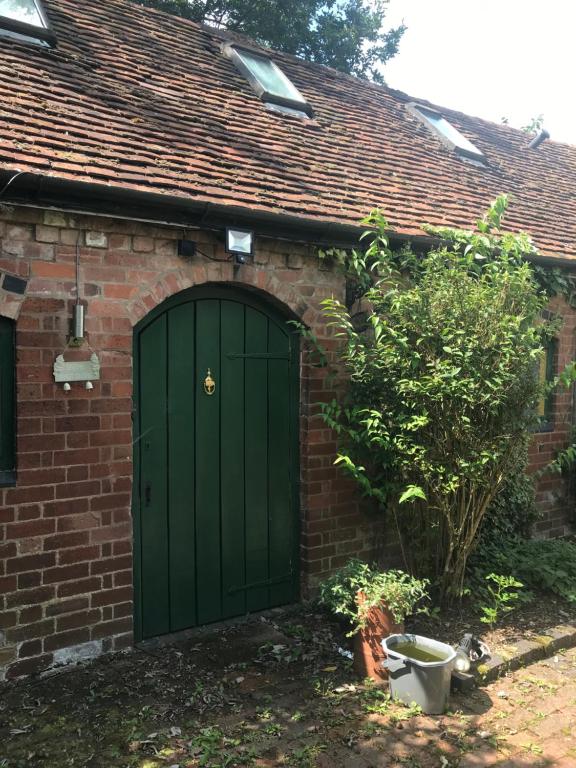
(502,597)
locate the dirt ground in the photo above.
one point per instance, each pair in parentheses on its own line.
(275,691)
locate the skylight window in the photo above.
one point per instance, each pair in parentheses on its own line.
(449,135)
(268,80)
(25,20)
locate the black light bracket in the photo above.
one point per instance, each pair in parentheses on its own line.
(187,249)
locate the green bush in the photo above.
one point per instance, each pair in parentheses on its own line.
(396,589)
(548,564)
(442,386)
(513,510)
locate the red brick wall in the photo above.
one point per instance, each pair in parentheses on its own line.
(65,528)
(555,493)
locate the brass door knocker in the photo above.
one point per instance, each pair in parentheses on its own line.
(209,384)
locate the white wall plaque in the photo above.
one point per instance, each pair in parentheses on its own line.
(77,370)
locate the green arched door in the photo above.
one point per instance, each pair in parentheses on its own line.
(216,464)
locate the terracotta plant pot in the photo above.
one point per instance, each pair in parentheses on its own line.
(368,652)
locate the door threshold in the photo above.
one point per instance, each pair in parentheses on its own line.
(207,631)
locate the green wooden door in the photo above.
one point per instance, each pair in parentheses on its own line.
(215,474)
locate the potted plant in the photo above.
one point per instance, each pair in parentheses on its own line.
(375,603)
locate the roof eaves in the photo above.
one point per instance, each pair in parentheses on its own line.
(37,191)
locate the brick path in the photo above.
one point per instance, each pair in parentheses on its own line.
(268,695)
(531,719)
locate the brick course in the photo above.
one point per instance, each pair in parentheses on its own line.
(65,528)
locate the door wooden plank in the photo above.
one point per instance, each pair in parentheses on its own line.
(232,460)
(182,536)
(208,533)
(281,523)
(256,469)
(153,496)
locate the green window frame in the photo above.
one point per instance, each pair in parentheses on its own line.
(546,373)
(7,403)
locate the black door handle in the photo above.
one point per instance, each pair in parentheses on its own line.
(147,494)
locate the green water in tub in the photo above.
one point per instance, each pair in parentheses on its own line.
(417,652)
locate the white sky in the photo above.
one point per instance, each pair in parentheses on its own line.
(490,58)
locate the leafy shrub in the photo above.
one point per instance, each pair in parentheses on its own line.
(513,510)
(540,564)
(502,594)
(399,591)
(442,385)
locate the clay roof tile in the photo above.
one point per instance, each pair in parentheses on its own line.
(137,99)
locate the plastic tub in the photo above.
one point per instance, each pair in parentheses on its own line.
(419,671)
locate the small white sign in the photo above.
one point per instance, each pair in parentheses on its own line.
(77,370)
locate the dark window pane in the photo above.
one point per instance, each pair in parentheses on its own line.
(546,374)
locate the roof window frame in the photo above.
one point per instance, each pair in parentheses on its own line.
(419,111)
(234,50)
(33,32)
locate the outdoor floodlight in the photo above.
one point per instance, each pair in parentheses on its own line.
(240,243)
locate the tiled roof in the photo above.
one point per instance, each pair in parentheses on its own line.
(136,99)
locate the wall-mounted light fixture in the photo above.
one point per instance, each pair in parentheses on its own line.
(78,323)
(240,243)
(77,336)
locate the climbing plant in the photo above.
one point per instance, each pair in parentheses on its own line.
(442,385)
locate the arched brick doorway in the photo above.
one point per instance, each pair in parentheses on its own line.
(216,459)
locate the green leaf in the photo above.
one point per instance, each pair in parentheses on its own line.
(412,492)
